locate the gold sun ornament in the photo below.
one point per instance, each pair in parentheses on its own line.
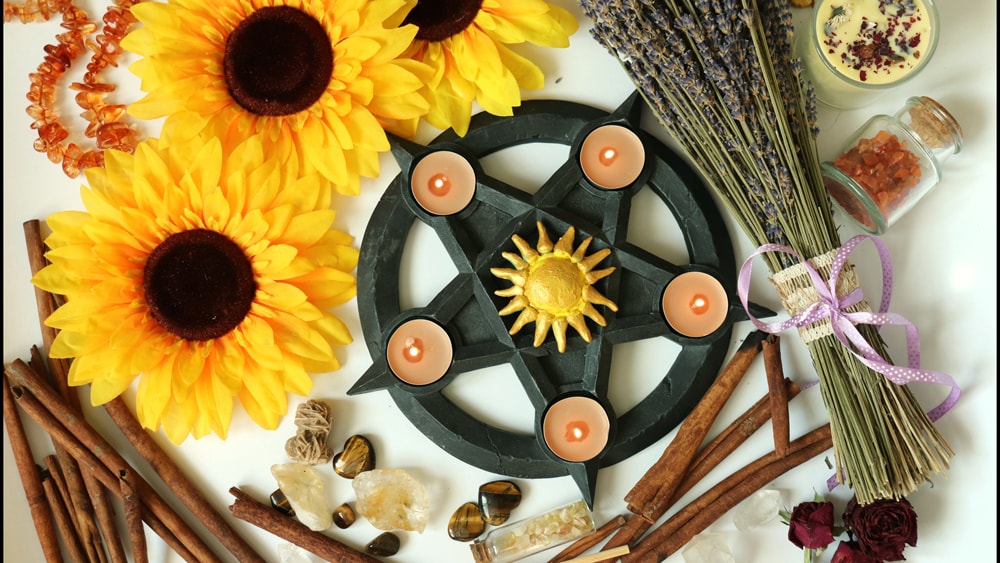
(465,43)
(206,275)
(553,286)
(317,80)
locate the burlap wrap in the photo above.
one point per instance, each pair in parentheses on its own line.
(798,292)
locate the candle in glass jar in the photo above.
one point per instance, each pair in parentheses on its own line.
(419,352)
(576,428)
(695,304)
(612,156)
(443,182)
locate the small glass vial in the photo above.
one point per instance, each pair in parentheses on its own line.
(524,538)
(891,162)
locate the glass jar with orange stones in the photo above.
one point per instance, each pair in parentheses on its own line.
(891,162)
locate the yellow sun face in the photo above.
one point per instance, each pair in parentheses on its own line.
(554,286)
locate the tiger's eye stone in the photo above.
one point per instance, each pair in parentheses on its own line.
(497,499)
(344,516)
(280,502)
(358,456)
(385,544)
(467,523)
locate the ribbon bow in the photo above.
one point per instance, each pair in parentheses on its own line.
(833,307)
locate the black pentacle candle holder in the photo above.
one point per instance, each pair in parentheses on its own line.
(562,359)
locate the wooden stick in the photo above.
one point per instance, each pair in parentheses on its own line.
(651,495)
(133,516)
(34,491)
(590,540)
(779,396)
(630,533)
(63,521)
(601,555)
(182,487)
(74,433)
(677,530)
(249,509)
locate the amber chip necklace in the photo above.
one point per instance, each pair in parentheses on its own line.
(105,122)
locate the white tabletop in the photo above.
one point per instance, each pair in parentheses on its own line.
(944,264)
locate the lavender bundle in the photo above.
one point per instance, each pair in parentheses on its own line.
(721,78)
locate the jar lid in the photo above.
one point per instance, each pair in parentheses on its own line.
(853,200)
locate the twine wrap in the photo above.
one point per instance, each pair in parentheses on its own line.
(834,305)
(313,422)
(798,292)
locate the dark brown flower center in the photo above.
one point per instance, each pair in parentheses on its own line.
(278,61)
(198,284)
(440,19)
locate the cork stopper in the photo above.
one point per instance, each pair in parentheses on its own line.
(481,552)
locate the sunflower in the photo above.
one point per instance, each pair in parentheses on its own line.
(205,275)
(317,80)
(464,41)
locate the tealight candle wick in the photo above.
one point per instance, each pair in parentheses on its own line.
(439,184)
(413,349)
(608,156)
(577,431)
(699,304)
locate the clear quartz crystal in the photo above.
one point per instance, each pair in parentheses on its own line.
(759,509)
(708,548)
(524,538)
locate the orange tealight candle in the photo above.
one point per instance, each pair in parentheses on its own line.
(443,182)
(419,352)
(612,156)
(576,428)
(695,304)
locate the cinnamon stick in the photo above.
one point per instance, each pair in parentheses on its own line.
(54,473)
(654,490)
(182,487)
(588,541)
(105,520)
(77,436)
(630,533)
(31,481)
(133,516)
(691,520)
(779,399)
(86,497)
(710,456)
(63,521)
(251,510)
(605,555)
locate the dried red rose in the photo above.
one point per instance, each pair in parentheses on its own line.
(882,528)
(850,552)
(811,525)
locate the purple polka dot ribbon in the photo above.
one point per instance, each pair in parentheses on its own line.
(843,323)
